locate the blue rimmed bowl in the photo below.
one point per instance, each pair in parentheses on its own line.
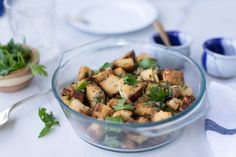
(219,57)
(112,136)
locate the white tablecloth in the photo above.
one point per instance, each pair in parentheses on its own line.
(201,19)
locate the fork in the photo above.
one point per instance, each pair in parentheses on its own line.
(4,115)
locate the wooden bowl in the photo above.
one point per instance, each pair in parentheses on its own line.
(19,79)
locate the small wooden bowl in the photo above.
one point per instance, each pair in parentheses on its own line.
(19,79)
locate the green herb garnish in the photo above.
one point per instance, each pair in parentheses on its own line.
(82,86)
(122,106)
(103,67)
(49,121)
(148,63)
(14,56)
(37,69)
(130,79)
(111,141)
(114,119)
(159,94)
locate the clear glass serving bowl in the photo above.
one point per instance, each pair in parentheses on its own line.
(116,136)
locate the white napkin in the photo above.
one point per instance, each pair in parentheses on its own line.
(220,123)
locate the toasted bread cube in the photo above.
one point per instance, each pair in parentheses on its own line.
(144,110)
(94,94)
(124,114)
(142,56)
(119,72)
(66,100)
(109,85)
(125,63)
(187,91)
(137,138)
(96,131)
(173,77)
(128,144)
(161,115)
(112,102)
(131,92)
(102,75)
(130,54)
(142,120)
(77,106)
(149,75)
(68,91)
(101,111)
(174,103)
(142,99)
(84,72)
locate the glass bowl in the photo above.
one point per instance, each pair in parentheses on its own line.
(118,136)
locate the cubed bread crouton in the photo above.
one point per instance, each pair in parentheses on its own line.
(142,99)
(112,102)
(175,91)
(95,131)
(69,91)
(84,72)
(149,75)
(124,114)
(80,96)
(109,85)
(101,111)
(173,77)
(66,100)
(125,63)
(102,75)
(137,138)
(142,120)
(128,144)
(161,115)
(131,92)
(142,56)
(77,106)
(94,94)
(186,91)
(187,101)
(144,110)
(174,103)
(119,72)
(130,54)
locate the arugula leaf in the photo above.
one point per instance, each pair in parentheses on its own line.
(81,86)
(148,63)
(111,141)
(122,106)
(158,94)
(37,69)
(103,67)
(114,119)
(130,79)
(49,121)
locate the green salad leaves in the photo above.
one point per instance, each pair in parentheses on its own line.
(49,121)
(121,105)
(14,56)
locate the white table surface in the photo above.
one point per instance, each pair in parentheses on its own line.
(199,18)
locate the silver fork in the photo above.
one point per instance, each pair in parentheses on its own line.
(4,115)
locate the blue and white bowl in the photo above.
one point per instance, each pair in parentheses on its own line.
(180,42)
(219,57)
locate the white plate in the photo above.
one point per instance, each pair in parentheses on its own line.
(113,17)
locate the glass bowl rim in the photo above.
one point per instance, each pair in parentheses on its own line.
(56,93)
